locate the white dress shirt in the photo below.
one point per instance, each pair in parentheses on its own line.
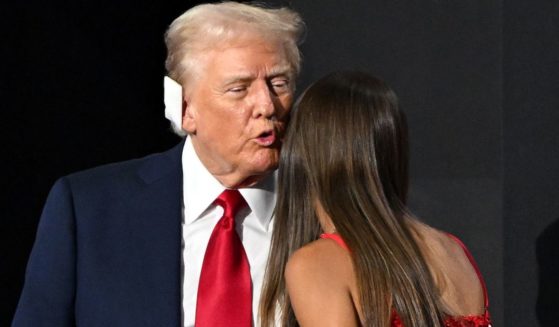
(200,215)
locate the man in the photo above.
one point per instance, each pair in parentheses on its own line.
(145,242)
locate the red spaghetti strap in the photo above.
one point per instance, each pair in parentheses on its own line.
(337,238)
(476,268)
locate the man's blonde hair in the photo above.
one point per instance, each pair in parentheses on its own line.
(206,26)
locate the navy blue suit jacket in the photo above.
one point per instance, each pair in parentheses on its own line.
(108,248)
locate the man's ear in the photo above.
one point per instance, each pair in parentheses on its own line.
(188,116)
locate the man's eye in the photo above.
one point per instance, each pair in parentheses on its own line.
(237,89)
(280,85)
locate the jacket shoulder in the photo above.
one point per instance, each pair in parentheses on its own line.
(126,173)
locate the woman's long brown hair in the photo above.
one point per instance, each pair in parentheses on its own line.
(347,147)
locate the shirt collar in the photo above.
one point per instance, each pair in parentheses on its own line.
(200,189)
(261,199)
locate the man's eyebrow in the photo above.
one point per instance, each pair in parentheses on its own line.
(238,79)
(283,70)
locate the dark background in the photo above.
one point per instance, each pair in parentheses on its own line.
(82,85)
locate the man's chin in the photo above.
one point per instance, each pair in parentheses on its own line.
(258,173)
(264,169)
(263,161)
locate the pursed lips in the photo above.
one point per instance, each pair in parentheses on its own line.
(266,138)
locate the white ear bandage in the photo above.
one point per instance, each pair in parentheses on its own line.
(172,96)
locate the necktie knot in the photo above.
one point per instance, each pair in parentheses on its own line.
(231,201)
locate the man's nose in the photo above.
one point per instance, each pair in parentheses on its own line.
(264,102)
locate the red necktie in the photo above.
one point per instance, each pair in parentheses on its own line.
(225,291)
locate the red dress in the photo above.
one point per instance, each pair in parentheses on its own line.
(482,320)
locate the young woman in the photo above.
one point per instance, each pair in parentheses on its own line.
(345,250)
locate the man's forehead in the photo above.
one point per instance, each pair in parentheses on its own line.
(225,76)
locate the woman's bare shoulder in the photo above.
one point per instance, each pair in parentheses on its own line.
(319,278)
(322,257)
(455,276)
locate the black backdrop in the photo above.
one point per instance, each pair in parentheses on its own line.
(82,85)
